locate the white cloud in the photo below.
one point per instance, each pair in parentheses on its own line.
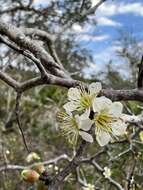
(42,2)
(102,58)
(77,28)
(135,8)
(107,9)
(94,2)
(114,8)
(109,53)
(82,29)
(87,37)
(104,21)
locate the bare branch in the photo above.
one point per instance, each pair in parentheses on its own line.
(82,15)
(8,80)
(140,74)
(58,179)
(92,9)
(48,162)
(17,36)
(26,9)
(114,95)
(130,175)
(44,36)
(25,53)
(101,170)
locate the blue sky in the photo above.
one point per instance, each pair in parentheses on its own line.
(112,17)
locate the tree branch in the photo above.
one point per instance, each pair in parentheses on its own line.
(59,178)
(81,16)
(44,36)
(8,80)
(17,36)
(18,120)
(48,162)
(140,74)
(25,53)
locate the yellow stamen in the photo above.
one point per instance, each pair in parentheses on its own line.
(69,127)
(103,121)
(86,98)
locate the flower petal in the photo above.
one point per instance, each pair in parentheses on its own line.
(86,136)
(130,118)
(116,109)
(95,88)
(85,124)
(70,106)
(101,103)
(119,128)
(73,94)
(86,114)
(103,138)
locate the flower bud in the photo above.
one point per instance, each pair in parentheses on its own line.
(33,156)
(30,176)
(39,167)
(141,136)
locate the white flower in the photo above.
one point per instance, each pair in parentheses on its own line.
(33,156)
(56,168)
(89,187)
(107,119)
(73,126)
(81,99)
(107,172)
(7,152)
(50,166)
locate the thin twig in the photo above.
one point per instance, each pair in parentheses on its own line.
(18,120)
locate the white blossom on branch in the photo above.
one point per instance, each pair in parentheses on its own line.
(108,120)
(74,125)
(81,99)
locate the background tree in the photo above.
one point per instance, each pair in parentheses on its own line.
(38,51)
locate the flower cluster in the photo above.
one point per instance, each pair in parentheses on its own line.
(85,109)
